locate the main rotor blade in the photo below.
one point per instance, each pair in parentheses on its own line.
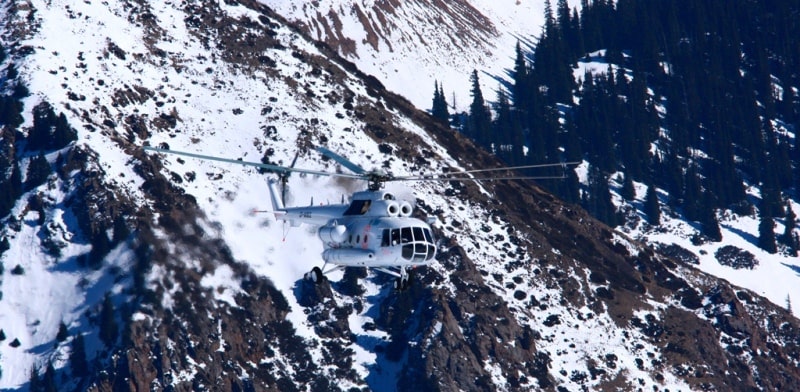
(276,168)
(341,160)
(563,164)
(434,178)
(460,175)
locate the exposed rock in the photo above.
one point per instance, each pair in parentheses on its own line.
(735,258)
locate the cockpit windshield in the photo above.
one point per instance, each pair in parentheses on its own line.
(417,242)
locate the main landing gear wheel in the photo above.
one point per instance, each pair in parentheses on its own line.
(403,282)
(315,275)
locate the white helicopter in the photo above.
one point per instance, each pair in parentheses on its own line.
(375,229)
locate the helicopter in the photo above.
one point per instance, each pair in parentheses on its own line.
(374,229)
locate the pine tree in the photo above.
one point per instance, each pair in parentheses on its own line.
(708,221)
(49,379)
(571,191)
(521,89)
(77,359)
(651,208)
(439,110)
(63,133)
(628,191)
(4,246)
(599,198)
(38,171)
(108,323)
(10,112)
(692,195)
(62,332)
(506,130)
(788,304)
(12,189)
(766,233)
(34,384)
(101,245)
(44,120)
(788,238)
(480,119)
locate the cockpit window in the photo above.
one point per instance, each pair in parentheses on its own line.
(405,234)
(417,242)
(418,234)
(385,237)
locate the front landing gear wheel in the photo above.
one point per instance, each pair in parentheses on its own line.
(315,275)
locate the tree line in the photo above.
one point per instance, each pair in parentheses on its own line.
(699,100)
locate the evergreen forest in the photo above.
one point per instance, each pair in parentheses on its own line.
(699,100)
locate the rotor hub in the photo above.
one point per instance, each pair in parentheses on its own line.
(377,179)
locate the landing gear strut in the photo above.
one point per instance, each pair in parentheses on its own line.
(403,282)
(317,275)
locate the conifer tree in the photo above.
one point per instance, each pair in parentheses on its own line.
(34,384)
(439,109)
(651,208)
(4,246)
(708,220)
(766,233)
(599,198)
(62,332)
(570,191)
(11,71)
(480,120)
(570,30)
(49,379)
(628,191)
(101,245)
(38,171)
(12,189)
(10,111)
(39,137)
(505,128)
(692,195)
(108,323)
(551,62)
(521,89)
(788,238)
(77,359)
(63,133)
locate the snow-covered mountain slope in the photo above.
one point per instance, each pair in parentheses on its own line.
(736,258)
(526,292)
(409,45)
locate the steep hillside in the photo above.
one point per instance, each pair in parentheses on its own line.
(406,42)
(409,45)
(165,278)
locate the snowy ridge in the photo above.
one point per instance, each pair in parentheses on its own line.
(384,39)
